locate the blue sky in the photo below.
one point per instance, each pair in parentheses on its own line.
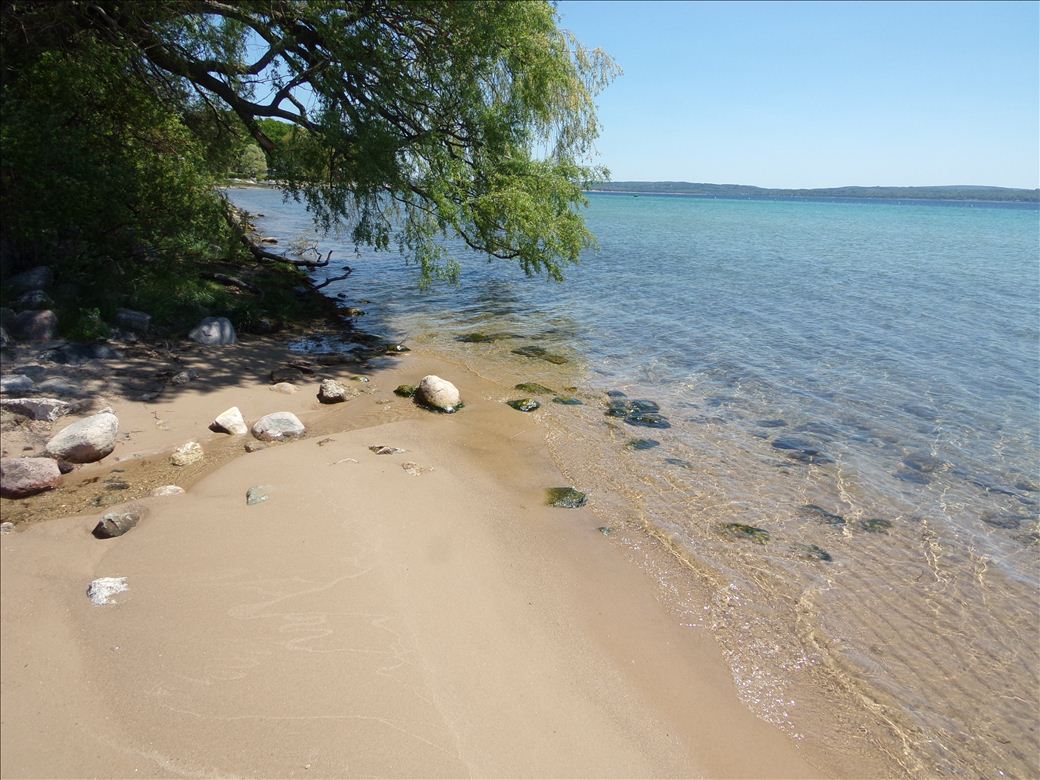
(818,94)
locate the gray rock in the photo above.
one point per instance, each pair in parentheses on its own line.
(331,392)
(184,377)
(86,441)
(133,320)
(21,477)
(78,354)
(286,388)
(103,590)
(257,494)
(6,528)
(34,299)
(39,278)
(4,338)
(277,426)
(385,449)
(167,490)
(61,387)
(213,331)
(230,421)
(15,384)
(115,524)
(49,409)
(438,393)
(188,453)
(34,325)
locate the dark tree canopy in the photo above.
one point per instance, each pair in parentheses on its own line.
(412,119)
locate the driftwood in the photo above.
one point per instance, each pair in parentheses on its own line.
(329,280)
(234,219)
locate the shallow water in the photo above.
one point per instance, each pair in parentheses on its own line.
(857,380)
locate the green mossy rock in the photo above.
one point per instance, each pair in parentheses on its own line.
(566,497)
(749,532)
(811,552)
(827,517)
(642,444)
(405,391)
(524,404)
(534,388)
(540,352)
(567,400)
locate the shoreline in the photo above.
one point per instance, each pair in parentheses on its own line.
(606,651)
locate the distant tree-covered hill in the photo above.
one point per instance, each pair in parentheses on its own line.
(956,192)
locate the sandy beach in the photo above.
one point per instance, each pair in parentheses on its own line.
(368,619)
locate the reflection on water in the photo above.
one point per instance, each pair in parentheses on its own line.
(859,383)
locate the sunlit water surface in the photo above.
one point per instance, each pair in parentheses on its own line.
(859,380)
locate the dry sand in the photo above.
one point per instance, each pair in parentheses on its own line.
(363,621)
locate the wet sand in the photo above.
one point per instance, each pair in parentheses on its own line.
(365,619)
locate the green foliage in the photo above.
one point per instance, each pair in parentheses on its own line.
(252,163)
(400,122)
(87,326)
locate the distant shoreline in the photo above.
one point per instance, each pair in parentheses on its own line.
(978,194)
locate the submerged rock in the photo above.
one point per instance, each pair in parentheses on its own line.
(277,426)
(776,423)
(23,477)
(801,450)
(405,391)
(642,444)
(524,404)
(115,524)
(827,517)
(811,552)
(534,388)
(639,412)
(1006,521)
(87,441)
(534,351)
(188,453)
(875,525)
(916,477)
(683,464)
(922,462)
(567,400)
(566,497)
(438,394)
(749,532)
(230,421)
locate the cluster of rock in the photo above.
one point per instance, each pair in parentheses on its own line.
(86,441)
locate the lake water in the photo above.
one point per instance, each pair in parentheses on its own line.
(850,473)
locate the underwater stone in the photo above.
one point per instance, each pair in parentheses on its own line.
(828,517)
(642,444)
(566,497)
(534,388)
(1008,522)
(540,352)
(777,423)
(917,477)
(567,400)
(524,404)
(749,532)
(875,525)
(812,552)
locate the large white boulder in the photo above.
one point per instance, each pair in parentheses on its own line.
(86,441)
(231,421)
(438,393)
(277,426)
(213,331)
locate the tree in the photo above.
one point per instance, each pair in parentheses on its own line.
(252,163)
(411,120)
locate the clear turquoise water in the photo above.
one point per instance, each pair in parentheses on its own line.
(900,340)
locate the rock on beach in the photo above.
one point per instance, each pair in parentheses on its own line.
(331,392)
(48,409)
(86,441)
(188,453)
(213,331)
(230,421)
(22,477)
(277,426)
(438,393)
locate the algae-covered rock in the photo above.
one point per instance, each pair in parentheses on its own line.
(748,532)
(477,338)
(811,552)
(875,525)
(534,388)
(567,400)
(405,391)
(542,353)
(566,497)
(642,444)
(822,514)
(639,412)
(524,404)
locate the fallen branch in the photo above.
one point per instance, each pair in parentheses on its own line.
(232,281)
(329,280)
